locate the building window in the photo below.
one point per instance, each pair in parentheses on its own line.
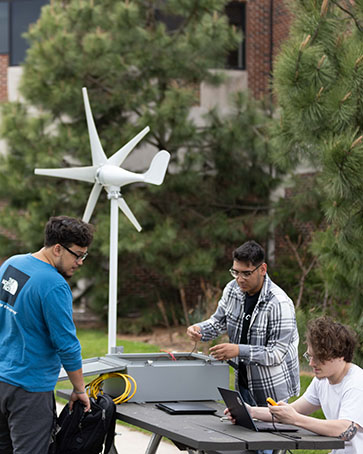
(22,13)
(236,12)
(17,15)
(172,22)
(4,28)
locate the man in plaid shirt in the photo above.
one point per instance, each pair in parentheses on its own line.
(260,321)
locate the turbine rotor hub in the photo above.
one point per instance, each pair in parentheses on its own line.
(114,193)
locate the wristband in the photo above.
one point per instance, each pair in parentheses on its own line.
(79,392)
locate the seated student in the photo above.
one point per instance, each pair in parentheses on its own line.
(337,388)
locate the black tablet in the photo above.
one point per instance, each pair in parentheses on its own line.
(185,408)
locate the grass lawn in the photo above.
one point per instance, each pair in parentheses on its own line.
(94,343)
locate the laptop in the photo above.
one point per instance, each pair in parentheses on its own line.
(185,408)
(240,413)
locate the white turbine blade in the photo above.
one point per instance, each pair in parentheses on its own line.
(128,213)
(72,173)
(157,169)
(98,155)
(118,158)
(92,200)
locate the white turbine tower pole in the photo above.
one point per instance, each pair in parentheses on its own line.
(112,295)
(106,173)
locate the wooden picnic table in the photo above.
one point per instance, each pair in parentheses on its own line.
(207,434)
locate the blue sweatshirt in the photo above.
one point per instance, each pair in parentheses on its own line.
(37,333)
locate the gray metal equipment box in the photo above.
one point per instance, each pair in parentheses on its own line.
(161,377)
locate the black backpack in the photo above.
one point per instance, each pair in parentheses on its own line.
(86,433)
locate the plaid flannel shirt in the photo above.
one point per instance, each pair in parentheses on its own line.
(271,355)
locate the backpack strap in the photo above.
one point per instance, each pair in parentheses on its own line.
(52,446)
(110,437)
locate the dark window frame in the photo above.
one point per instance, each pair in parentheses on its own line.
(27,11)
(4,33)
(236,13)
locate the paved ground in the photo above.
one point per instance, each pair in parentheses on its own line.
(130,441)
(134,442)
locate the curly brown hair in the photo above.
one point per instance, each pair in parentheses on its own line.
(67,231)
(329,339)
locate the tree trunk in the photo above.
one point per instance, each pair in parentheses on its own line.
(173,315)
(161,306)
(184,304)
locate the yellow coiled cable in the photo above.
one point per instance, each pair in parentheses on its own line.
(95,386)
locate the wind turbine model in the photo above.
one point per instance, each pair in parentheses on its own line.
(108,174)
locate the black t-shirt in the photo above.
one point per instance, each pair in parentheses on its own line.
(250,303)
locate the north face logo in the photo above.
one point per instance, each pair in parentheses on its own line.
(12,282)
(10,286)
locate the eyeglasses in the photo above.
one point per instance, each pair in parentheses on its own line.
(308,357)
(245,274)
(78,256)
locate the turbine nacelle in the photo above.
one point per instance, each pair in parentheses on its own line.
(110,175)
(115,176)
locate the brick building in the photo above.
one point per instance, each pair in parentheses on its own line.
(264,23)
(267,26)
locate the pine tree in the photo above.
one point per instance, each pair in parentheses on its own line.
(219,198)
(318,80)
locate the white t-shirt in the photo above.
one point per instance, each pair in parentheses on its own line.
(341,401)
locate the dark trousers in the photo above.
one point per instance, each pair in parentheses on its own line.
(247,396)
(249,399)
(26,420)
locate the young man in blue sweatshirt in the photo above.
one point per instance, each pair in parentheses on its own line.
(38,335)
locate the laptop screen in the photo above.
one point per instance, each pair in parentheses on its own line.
(237,408)
(240,413)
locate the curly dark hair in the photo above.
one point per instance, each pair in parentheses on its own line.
(329,339)
(67,231)
(249,252)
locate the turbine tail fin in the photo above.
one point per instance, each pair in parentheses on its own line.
(157,169)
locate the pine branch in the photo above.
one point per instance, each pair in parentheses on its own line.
(299,55)
(295,252)
(304,271)
(357,23)
(241,207)
(348,152)
(186,22)
(95,81)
